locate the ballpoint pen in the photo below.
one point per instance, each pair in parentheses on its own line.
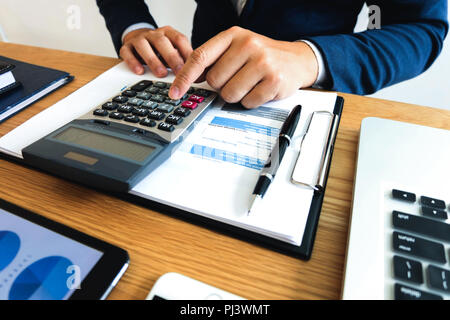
(273,162)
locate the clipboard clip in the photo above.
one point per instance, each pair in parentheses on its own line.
(316,148)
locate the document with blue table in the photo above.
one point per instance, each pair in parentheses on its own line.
(213,173)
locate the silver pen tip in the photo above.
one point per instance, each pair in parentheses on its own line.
(256,198)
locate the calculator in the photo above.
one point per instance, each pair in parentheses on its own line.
(119,142)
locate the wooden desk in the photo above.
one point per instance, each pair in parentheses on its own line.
(158,244)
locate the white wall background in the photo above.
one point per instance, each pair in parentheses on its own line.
(51,24)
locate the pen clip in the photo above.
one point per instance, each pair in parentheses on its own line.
(303,174)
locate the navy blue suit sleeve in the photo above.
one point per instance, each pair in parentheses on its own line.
(410,39)
(120,14)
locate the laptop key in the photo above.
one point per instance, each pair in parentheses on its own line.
(403,195)
(431,202)
(439,278)
(434,213)
(408,270)
(418,247)
(407,293)
(432,228)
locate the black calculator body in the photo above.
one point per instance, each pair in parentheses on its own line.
(117,144)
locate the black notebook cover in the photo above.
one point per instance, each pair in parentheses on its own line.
(34,79)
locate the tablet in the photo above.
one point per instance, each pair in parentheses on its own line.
(43,260)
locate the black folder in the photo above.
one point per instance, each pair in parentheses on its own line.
(303,251)
(33,82)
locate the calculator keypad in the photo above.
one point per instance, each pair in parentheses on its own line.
(146,105)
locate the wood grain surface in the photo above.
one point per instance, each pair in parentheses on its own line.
(158,243)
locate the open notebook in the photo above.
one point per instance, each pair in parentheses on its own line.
(214,171)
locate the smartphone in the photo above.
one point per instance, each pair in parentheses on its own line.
(175,286)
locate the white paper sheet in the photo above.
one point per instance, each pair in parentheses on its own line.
(221,190)
(203,185)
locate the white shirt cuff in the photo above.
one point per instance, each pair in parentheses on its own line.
(322,75)
(136,26)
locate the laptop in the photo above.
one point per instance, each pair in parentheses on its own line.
(399,234)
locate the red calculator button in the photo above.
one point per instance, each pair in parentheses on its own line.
(196,98)
(189,104)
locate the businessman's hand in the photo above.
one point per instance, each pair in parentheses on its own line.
(154,45)
(247,67)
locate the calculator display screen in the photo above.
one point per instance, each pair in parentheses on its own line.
(105,143)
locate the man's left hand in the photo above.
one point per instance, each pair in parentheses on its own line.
(249,68)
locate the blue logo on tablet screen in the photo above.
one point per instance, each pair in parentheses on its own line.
(9,246)
(45,279)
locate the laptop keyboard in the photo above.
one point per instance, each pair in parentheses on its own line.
(419,260)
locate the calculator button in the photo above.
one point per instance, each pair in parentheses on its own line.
(431,202)
(149,105)
(142,85)
(100,113)
(403,195)
(189,104)
(166,127)
(202,92)
(191,90)
(158,98)
(129,93)
(120,99)
(148,122)
(116,115)
(164,107)
(161,85)
(136,101)
(142,112)
(152,90)
(173,102)
(172,119)
(144,95)
(110,106)
(132,118)
(125,108)
(182,112)
(196,98)
(164,92)
(156,115)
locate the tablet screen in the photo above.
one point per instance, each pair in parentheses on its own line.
(37,263)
